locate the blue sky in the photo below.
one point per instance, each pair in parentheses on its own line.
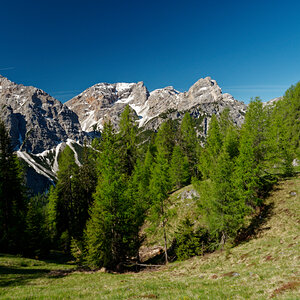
(252,48)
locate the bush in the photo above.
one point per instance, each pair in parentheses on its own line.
(190,242)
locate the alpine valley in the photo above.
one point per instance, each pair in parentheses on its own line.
(40,126)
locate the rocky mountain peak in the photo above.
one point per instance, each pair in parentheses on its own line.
(105,101)
(36,121)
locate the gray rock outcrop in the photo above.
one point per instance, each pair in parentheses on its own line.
(104,101)
(36,121)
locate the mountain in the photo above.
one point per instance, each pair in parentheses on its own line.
(105,101)
(39,126)
(36,121)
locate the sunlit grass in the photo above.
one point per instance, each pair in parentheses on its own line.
(264,267)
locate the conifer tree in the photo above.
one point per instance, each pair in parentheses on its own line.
(160,185)
(12,197)
(189,142)
(212,149)
(37,237)
(284,130)
(179,168)
(112,231)
(223,210)
(253,153)
(165,139)
(64,202)
(128,143)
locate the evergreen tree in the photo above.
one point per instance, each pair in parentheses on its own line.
(179,168)
(284,130)
(128,141)
(159,187)
(67,206)
(223,210)
(165,139)
(189,142)
(253,153)
(212,149)
(12,197)
(37,237)
(112,231)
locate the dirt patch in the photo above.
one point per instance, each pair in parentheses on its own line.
(231,274)
(288,286)
(268,258)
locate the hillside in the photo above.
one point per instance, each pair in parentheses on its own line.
(265,266)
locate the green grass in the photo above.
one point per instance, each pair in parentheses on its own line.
(179,207)
(267,265)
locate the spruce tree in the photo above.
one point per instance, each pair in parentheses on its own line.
(37,235)
(12,197)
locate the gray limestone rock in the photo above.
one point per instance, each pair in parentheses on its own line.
(103,102)
(36,121)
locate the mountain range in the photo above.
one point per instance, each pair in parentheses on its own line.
(40,126)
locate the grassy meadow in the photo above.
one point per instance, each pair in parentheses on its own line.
(263,267)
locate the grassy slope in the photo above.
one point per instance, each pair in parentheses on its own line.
(265,266)
(179,206)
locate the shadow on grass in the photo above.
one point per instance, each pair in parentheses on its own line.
(15,276)
(256,225)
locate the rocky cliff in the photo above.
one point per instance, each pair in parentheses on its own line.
(104,101)
(36,121)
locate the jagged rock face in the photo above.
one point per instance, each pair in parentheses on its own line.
(36,121)
(106,101)
(103,102)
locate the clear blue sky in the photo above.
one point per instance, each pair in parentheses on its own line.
(252,48)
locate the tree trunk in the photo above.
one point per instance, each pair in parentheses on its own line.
(165,240)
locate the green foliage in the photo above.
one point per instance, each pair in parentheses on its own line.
(211,151)
(12,197)
(70,200)
(179,169)
(253,153)
(165,139)
(189,142)
(128,141)
(190,242)
(112,231)
(160,185)
(37,236)
(284,131)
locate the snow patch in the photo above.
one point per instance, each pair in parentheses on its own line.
(70,144)
(39,169)
(55,164)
